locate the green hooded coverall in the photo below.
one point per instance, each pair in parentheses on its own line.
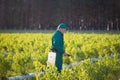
(58,44)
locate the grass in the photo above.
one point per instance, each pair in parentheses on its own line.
(51,31)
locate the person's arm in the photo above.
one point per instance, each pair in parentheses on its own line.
(59,45)
(66,54)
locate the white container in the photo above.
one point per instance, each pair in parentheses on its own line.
(51,58)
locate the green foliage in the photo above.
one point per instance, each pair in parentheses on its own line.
(101,70)
(25,53)
(5,64)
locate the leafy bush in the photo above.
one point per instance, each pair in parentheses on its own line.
(27,52)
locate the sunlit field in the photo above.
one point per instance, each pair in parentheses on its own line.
(26,52)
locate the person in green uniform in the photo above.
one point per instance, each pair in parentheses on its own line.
(58,45)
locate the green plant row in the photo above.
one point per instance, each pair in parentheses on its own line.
(23,53)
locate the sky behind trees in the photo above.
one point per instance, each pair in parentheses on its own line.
(47,14)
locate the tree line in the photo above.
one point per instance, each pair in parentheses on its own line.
(47,14)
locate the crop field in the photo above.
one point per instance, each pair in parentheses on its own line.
(23,53)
